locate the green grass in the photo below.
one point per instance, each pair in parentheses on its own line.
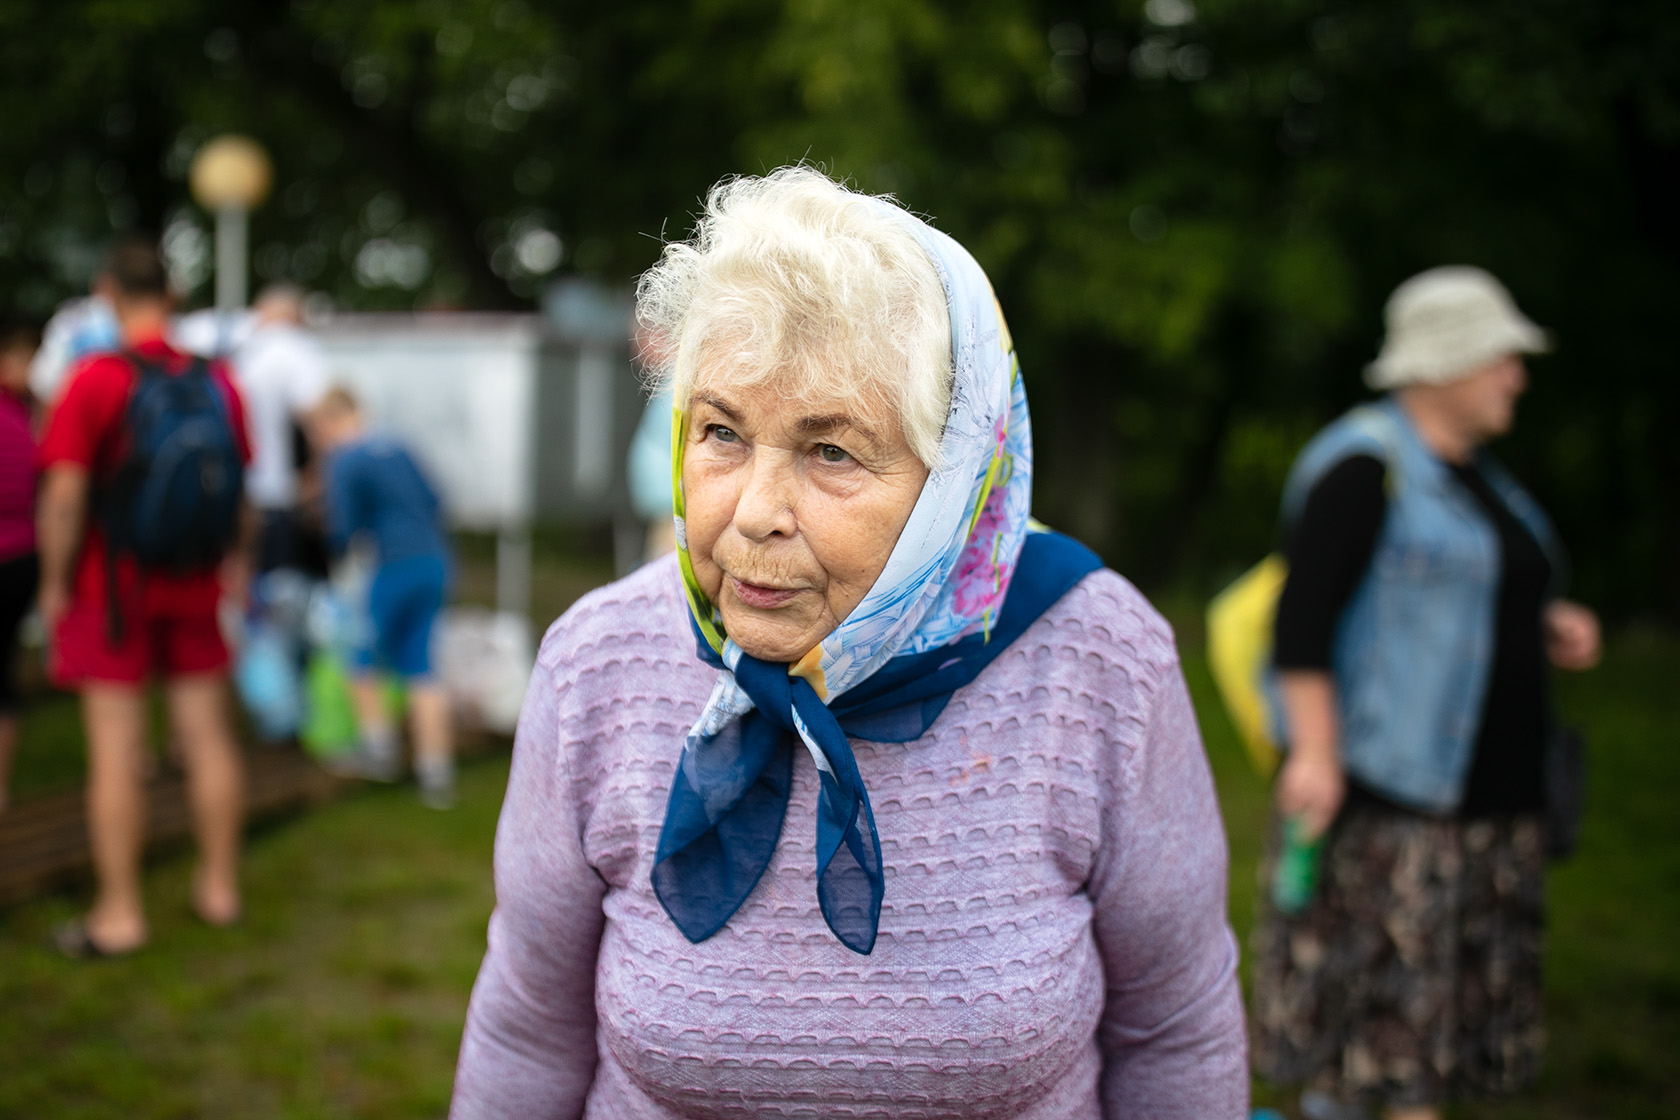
(343,992)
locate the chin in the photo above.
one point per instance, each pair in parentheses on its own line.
(772,650)
(763,638)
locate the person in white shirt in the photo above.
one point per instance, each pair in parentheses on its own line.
(282,374)
(80,327)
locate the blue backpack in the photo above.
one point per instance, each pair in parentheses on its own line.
(174,502)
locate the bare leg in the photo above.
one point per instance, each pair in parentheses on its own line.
(372,719)
(113,716)
(379,753)
(8,751)
(434,737)
(216,787)
(434,747)
(1415,1112)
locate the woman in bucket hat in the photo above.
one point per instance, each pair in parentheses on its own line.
(1411,649)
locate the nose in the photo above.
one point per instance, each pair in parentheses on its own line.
(765,506)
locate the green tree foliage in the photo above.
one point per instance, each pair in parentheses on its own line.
(1192,209)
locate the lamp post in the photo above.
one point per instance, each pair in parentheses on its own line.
(230,176)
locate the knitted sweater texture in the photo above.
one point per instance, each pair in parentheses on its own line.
(1053,942)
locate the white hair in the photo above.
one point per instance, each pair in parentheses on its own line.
(795,280)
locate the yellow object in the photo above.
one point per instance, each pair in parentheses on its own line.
(810,667)
(1239,643)
(230,170)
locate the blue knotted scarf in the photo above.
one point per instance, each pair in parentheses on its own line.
(709,861)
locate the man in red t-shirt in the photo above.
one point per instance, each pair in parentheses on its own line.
(169,629)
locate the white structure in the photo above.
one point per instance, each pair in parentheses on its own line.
(514,421)
(461,392)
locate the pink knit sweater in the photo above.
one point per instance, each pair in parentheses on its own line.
(1053,943)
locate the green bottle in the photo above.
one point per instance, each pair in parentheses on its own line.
(1295,877)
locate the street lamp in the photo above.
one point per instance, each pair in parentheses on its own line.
(230,176)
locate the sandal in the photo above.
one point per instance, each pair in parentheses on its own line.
(73,941)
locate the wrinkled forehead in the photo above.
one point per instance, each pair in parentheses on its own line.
(819,379)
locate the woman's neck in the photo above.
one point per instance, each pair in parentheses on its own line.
(1435,427)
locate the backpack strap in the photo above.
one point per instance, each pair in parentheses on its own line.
(115,629)
(113,610)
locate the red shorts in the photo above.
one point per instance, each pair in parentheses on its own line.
(176,645)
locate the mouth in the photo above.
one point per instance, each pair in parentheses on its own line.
(760,596)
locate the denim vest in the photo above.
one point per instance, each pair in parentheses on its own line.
(1414,645)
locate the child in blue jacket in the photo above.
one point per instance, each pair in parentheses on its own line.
(376,497)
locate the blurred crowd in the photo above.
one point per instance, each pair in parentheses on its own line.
(185,498)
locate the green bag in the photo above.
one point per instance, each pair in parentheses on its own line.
(330,728)
(329,724)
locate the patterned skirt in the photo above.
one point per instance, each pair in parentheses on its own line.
(1414,974)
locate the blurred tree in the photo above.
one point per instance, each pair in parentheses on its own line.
(449,153)
(1192,209)
(1194,214)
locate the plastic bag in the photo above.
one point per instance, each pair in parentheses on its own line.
(330,729)
(484,660)
(268,670)
(1239,645)
(266,676)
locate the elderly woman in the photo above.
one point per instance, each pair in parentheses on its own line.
(875,800)
(1411,646)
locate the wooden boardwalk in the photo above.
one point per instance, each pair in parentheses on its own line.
(44,844)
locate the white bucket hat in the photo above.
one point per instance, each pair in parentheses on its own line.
(1446,323)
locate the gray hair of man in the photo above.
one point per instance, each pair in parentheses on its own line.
(796,281)
(280,302)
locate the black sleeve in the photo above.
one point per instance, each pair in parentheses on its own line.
(1329,552)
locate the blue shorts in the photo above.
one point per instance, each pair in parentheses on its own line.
(403,602)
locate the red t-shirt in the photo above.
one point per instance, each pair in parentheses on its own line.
(85,427)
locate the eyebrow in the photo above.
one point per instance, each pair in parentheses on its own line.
(821,425)
(729,413)
(807,426)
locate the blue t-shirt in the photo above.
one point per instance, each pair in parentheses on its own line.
(373,486)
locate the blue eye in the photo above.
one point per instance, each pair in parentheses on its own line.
(721,433)
(832,454)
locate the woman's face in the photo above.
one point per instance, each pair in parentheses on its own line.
(1485,402)
(792,508)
